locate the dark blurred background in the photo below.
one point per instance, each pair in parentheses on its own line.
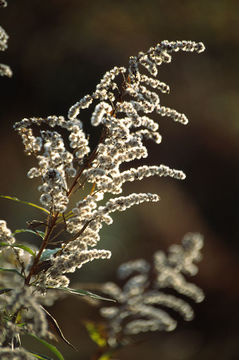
(58,51)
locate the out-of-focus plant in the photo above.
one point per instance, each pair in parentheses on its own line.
(148,298)
(80,189)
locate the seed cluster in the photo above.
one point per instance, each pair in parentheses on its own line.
(121,105)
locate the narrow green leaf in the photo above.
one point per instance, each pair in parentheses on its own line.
(37,232)
(4,244)
(12,270)
(21,246)
(51,347)
(40,356)
(24,202)
(84,293)
(57,328)
(26,248)
(3,291)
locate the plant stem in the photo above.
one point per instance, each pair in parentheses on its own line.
(50,226)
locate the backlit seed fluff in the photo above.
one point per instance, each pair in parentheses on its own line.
(100,110)
(126,107)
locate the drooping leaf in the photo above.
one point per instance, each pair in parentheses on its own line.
(51,347)
(24,202)
(37,232)
(26,248)
(21,246)
(12,270)
(84,293)
(54,323)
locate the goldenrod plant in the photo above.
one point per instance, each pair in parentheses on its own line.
(80,187)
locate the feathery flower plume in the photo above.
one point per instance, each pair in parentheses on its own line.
(120,106)
(141,302)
